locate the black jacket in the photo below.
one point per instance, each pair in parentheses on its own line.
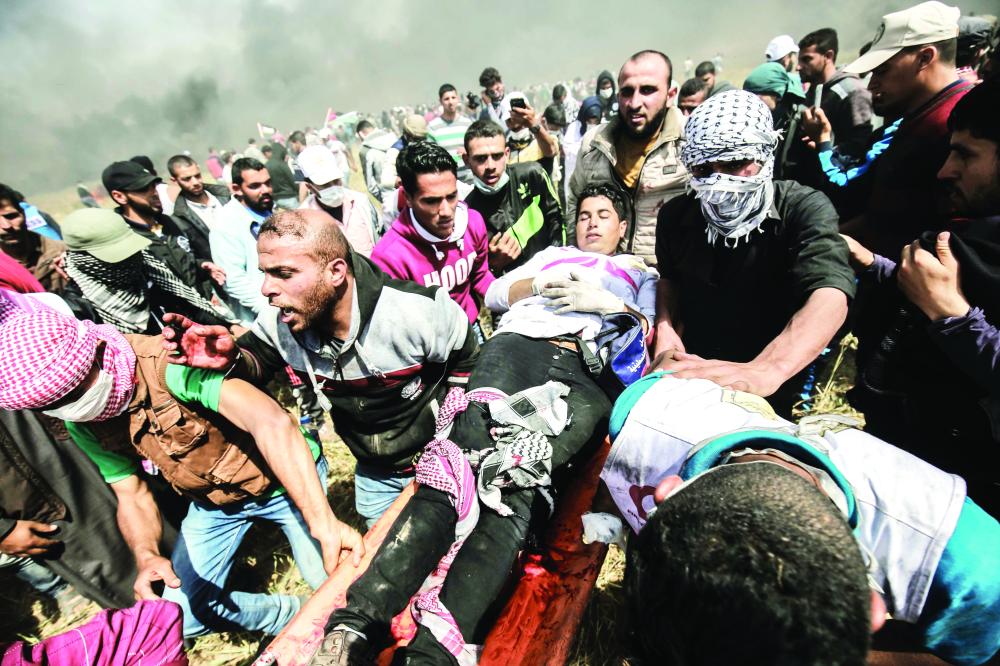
(192,226)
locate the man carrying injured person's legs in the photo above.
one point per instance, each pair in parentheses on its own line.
(532,404)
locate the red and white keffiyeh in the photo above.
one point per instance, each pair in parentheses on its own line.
(44,355)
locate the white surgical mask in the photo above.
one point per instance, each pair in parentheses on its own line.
(487,189)
(606,93)
(88,406)
(332,196)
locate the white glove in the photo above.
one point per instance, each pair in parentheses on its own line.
(552,276)
(575,296)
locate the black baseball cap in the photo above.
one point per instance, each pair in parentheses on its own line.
(127,177)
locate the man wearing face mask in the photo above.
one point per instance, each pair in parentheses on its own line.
(637,150)
(517,201)
(606,93)
(353,211)
(754,276)
(217,440)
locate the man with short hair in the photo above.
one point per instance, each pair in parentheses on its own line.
(746,253)
(517,201)
(845,100)
(532,398)
(693,92)
(219,441)
(912,65)
(809,533)
(336,321)
(638,150)
(198,204)
(234,239)
(448,129)
(927,358)
(133,188)
(437,240)
(351,210)
(495,105)
(706,72)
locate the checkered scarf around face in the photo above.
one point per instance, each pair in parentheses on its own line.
(44,355)
(120,291)
(731,126)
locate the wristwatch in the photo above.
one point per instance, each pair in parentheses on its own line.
(535,129)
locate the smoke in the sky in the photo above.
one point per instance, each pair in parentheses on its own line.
(87,83)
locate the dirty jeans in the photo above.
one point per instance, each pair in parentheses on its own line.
(425,528)
(205,553)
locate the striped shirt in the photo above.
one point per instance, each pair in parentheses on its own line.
(451,136)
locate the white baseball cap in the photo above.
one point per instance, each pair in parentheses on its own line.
(925,23)
(319,165)
(779,47)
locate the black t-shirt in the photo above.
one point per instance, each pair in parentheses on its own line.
(734,300)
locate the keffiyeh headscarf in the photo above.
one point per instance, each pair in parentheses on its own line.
(731,126)
(120,292)
(44,355)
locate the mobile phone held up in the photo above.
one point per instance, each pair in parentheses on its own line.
(518,103)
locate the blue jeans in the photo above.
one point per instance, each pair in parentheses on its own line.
(43,580)
(204,555)
(376,489)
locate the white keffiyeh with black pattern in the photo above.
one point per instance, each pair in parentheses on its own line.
(120,292)
(732,126)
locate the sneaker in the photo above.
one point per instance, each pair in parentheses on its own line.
(343,647)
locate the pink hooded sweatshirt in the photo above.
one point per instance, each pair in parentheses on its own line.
(459,263)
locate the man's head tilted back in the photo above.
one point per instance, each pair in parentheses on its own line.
(749,564)
(601,219)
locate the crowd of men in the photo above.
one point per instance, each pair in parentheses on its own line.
(660,263)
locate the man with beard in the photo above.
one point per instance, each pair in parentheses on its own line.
(35,252)
(133,188)
(755,302)
(234,239)
(380,353)
(928,365)
(913,77)
(197,205)
(638,151)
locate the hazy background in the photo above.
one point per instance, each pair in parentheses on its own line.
(90,83)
